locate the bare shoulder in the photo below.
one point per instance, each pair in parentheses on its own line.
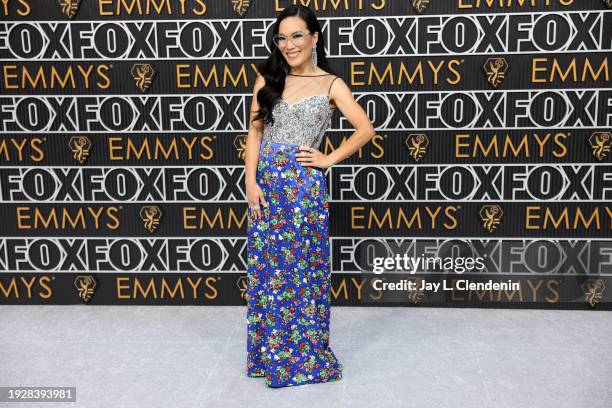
(259,83)
(337,81)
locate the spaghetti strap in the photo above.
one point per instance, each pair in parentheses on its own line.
(330,85)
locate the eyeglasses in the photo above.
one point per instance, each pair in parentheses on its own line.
(297,39)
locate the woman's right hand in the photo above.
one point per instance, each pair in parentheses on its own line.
(255,197)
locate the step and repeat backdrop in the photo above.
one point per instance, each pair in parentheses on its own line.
(122,141)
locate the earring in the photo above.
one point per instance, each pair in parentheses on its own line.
(314,56)
(285,66)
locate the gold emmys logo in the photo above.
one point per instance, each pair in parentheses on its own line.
(150,215)
(608,3)
(417,145)
(415,295)
(593,289)
(69,7)
(80,146)
(240,145)
(85,286)
(491,216)
(420,5)
(495,68)
(242,286)
(143,75)
(601,143)
(240,7)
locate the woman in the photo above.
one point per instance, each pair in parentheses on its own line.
(289,282)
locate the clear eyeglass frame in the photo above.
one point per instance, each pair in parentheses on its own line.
(297,39)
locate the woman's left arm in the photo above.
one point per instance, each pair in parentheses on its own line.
(354,113)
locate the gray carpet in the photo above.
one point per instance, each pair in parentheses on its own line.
(175,357)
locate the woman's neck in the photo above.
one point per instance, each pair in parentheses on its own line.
(303,72)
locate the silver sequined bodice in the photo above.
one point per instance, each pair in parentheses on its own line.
(301,123)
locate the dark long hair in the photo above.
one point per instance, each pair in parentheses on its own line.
(272,69)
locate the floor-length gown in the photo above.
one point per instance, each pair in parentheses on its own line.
(289,282)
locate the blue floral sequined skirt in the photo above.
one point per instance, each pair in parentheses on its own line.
(289,282)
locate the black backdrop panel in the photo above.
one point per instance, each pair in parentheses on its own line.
(123,126)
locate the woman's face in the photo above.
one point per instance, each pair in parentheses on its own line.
(295,42)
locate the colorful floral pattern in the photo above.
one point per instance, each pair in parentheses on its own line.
(289,282)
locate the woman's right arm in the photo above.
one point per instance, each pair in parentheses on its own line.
(253,144)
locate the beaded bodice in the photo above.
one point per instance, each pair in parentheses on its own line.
(303,113)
